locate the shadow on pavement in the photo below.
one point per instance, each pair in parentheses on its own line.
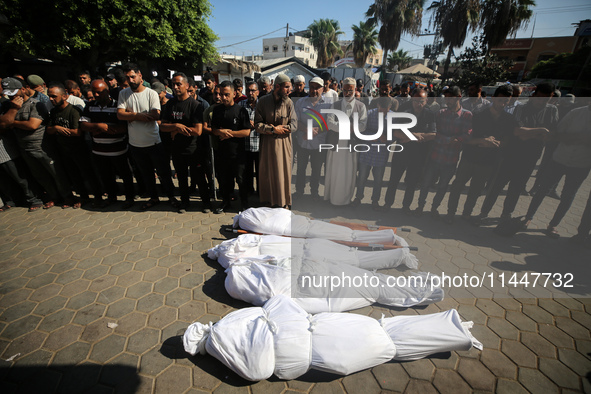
(82,378)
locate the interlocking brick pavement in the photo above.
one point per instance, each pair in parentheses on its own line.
(66,275)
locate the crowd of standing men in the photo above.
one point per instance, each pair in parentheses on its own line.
(59,138)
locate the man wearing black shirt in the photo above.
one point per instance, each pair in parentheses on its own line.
(73,151)
(231,123)
(207,92)
(491,128)
(182,117)
(534,122)
(413,157)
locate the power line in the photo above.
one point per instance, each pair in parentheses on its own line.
(251,39)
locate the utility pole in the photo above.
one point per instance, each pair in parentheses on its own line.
(286,39)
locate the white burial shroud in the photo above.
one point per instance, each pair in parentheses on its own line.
(255,279)
(282,339)
(250,245)
(279,221)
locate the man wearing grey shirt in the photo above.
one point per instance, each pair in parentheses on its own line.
(572,158)
(140,107)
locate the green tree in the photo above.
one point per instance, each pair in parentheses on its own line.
(396,17)
(365,39)
(399,58)
(454,18)
(90,32)
(476,66)
(502,18)
(563,66)
(324,36)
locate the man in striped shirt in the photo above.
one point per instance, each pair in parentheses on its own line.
(109,142)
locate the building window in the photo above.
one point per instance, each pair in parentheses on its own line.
(293,47)
(266,49)
(307,49)
(274,48)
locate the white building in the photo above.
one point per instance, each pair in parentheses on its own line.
(296,46)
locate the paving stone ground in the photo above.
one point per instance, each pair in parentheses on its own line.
(96,301)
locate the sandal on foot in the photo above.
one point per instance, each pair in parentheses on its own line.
(5,208)
(48,204)
(551,232)
(35,207)
(149,204)
(175,203)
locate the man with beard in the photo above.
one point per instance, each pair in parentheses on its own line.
(275,119)
(535,120)
(231,123)
(265,86)
(207,92)
(308,151)
(182,117)
(341,165)
(73,152)
(481,155)
(253,142)
(414,155)
(454,128)
(140,107)
(25,117)
(109,142)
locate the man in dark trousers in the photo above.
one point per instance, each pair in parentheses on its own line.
(413,157)
(491,128)
(109,143)
(231,123)
(182,117)
(64,124)
(534,122)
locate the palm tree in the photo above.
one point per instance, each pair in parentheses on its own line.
(365,39)
(454,18)
(399,58)
(324,36)
(396,18)
(502,18)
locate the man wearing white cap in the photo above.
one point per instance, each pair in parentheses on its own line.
(299,83)
(274,120)
(309,147)
(341,164)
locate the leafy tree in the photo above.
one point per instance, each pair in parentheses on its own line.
(454,18)
(563,66)
(399,58)
(476,66)
(365,39)
(502,18)
(90,32)
(396,17)
(324,36)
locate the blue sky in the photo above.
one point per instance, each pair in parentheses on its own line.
(235,21)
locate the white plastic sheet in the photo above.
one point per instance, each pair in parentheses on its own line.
(279,221)
(250,245)
(281,338)
(257,279)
